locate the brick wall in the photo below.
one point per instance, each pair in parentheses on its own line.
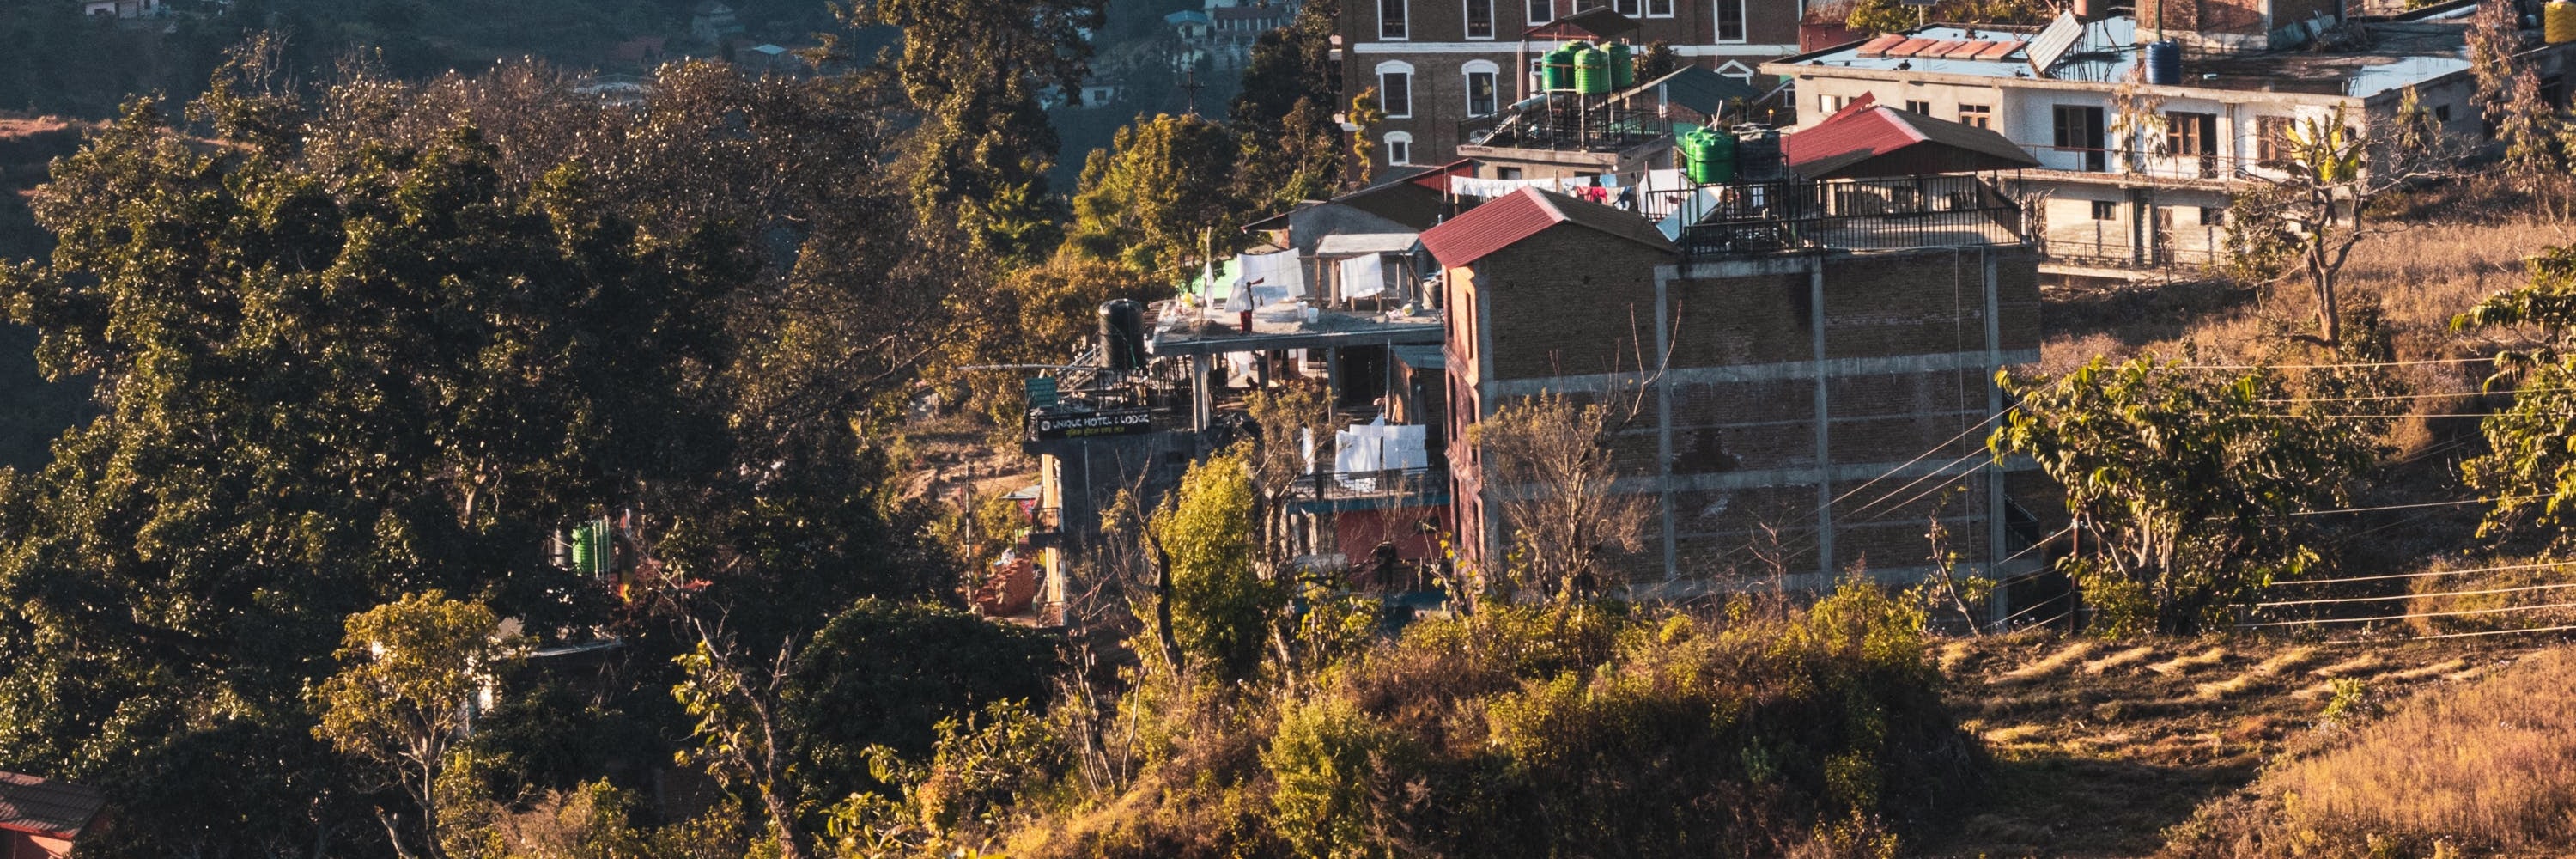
(1909,376)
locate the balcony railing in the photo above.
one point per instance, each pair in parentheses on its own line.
(2113,163)
(1874,214)
(1567,123)
(1372,485)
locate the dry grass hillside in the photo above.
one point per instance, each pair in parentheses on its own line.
(2102,746)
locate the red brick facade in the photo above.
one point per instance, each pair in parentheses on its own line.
(1430,42)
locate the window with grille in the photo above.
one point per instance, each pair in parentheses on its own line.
(1395,93)
(1979,115)
(1480,19)
(1730,20)
(2272,138)
(1391,19)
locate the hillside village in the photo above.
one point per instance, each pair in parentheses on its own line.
(1338,428)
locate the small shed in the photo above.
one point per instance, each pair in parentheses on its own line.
(1375,267)
(42,819)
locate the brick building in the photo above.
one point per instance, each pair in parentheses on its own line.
(1804,371)
(1440,64)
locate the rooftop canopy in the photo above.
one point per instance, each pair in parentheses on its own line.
(1866,139)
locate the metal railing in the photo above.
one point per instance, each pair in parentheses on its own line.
(1568,122)
(1873,214)
(2149,164)
(1357,485)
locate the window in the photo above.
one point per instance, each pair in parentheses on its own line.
(1480,19)
(2272,138)
(1730,20)
(2442,113)
(1480,87)
(2191,135)
(2105,210)
(1979,115)
(1395,88)
(1390,19)
(1830,103)
(2211,216)
(1541,11)
(1399,148)
(1507,173)
(1625,7)
(1659,8)
(2078,128)
(1918,107)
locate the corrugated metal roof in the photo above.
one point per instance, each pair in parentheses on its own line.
(1527,212)
(53,809)
(1359,244)
(1876,140)
(1699,88)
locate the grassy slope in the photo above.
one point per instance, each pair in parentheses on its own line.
(2102,745)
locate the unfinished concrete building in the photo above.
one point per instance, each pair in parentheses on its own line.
(1802,366)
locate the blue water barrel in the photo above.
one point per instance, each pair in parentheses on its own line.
(2164,63)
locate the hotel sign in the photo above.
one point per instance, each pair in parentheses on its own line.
(1046,426)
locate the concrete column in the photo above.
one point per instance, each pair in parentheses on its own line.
(1824,421)
(1664,419)
(1995,525)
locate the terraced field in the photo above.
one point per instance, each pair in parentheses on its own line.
(2101,745)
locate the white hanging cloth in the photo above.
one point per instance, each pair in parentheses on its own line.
(1363,277)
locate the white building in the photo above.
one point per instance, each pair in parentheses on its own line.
(2136,172)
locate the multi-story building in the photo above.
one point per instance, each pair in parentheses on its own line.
(1798,368)
(1439,65)
(2138,158)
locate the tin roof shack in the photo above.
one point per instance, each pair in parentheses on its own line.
(2143,124)
(44,819)
(1807,360)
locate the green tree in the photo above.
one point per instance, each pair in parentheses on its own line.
(2319,206)
(1221,609)
(410,671)
(973,69)
(1159,197)
(885,674)
(2530,465)
(1042,314)
(1365,116)
(2185,484)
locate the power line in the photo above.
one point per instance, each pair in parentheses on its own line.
(2463,634)
(1920,456)
(2413,363)
(2339,600)
(2462,613)
(2423,575)
(2375,397)
(2425,504)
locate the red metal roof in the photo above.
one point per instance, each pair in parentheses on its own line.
(1868,139)
(52,809)
(1524,213)
(1912,46)
(1437,178)
(1878,46)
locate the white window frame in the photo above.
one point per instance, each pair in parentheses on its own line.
(1394,137)
(1467,78)
(1405,8)
(1395,67)
(1549,5)
(1743,12)
(1668,8)
(1493,19)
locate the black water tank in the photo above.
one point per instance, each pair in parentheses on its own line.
(1122,335)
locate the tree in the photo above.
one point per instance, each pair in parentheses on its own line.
(741,737)
(1156,199)
(1042,314)
(1549,465)
(885,674)
(2530,465)
(973,69)
(1283,116)
(2184,483)
(1221,609)
(2317,206)
(409,674)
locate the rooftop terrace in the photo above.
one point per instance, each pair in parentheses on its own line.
(2395,54)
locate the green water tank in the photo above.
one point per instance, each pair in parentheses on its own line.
(590,549)
(1591,70)
(1708,156)
(1623,65)
(1556,69)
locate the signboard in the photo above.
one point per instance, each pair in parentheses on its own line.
(1045,426)
(1041,392)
